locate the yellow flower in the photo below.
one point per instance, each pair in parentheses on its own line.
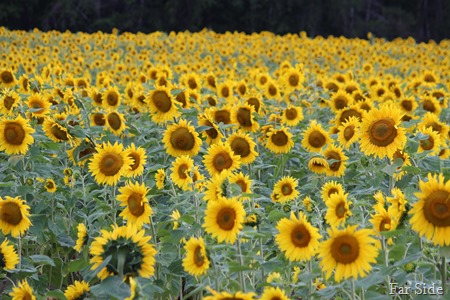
(181,172)
(315,137)
(337,209)
(139,159)
(160,177)
(221,159)
(8,256)
(50,185)
(273,293)
(181,139)
(133,196)
(22,291)
(14,213)
(82,237)
(244,146)
(285,189)
(162,105)
(77,290)
(279,141)
(195,262)
(15,136)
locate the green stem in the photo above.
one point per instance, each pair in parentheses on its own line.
(113,203)
(444,276)
(19,251)
(353,289)
(386,261)
(310,284)
(262,256)
(241,263)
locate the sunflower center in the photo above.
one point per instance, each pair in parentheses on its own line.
(7,77)
(279,138)
(332,191)
(255,102)
(316,139)
(14,133)
(242,184)
(382,132)
(300,236)
(111,164)
(407,105)
(340,102)
(98,98)
(211,101)
(136,160)
(8,102)
(192,83)
(272,90)
(436,127)
(212,132)
(182,171)
(114,121)
(428,106)
(162,101)
(182,139)
(199,259)
(240,147)
(59,133)
(49,185)
(242,89)
(340,210)
(345,249)
(286,189)
(181,97)
(112,99)
(385,224)
(99,119)
(437,208)
(428,143)
(225,92)
(211,81)
(222,161)
(222,116)
(349,132)
(135,204)
(291,113)
(335,156)
(293,80)
(27,296)
(10,213)
(244,117)
(263,80)
(226,218)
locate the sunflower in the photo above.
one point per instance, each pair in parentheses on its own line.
(8,256)
(430,215)
(430,104)
(111,98)
(243,145)
(98,119)
(229,296)
(297,238)
(77,291)
(285,189)
(133,196)
(383,221)
(213,134)
(8,102)
(242,115)
(318,165)
(273,293)
(380,133)
(431,143)
(22,291)
(255,100)
(243,181)
(55,131)
(224,219)
(181,172)
(216,187)
(50,185)
(162,105)
(348,132)
(348,252)
(340,100)
(160,177)
(432,120)
(408,105)
(14,213)
(116,122)
(279,140)
(272,91)
(336,159)
(7,78)
(221,158)
(404,157)
(181,139)
(348,112)
(241,88)
(292,115)
(38,106)
(109,163)
(175,217)
(338,209)
(315,137)
(330,188)
(221,115)
(225,90)
(15,135)
(292,79)
(191,81)
(82,237)
(130,251)
(139,159)
(196,261)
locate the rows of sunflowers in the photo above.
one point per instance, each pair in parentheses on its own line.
(223,166)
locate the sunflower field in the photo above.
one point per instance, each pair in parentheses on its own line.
(223,166)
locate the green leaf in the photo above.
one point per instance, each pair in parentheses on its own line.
(77,265)
(276,215)
(444,251)
(58,294)
(412,170)
(42,260)
(112,286)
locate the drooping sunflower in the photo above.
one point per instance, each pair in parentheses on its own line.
(8,256)
(380,132)
(162,105)
(8,102)
(244,146)
(297,238)
(77,291)
(348,132)
(50,185)
(430,215)
(160,177)
(109,163)
(139,159)
(292,115)
(196,261)
(82,237)
(279,140)
(181,172)
(14,213)
(431,143)
(137,211)
(273,293)
(348,252)
(336,159)
(285,189)
(224,219)
(330,188)
(181,139)
(318,165)
(130,251)
(242,115)
(115,122)
(315,137)
(111,98)
(15,135)
(221,158)
(39,107)
(55,131)
(213,134)
(338,209)
(22,291)
(383,221)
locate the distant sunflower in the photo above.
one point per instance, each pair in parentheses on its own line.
(336,159)
(224,219)
(50,185)
(380,132)
(348,112)
(77,291)
(273,293)
(196,261)
(15,135)
(137,211)
(225,90)
(162,105)
(181,172)
(130,251)
(8,256)
(221,158)
(82,237)
(404,157)
(340,100)
(109,163)
(272,91)
(116,122)
(430,104)
(9,100)
(279,140)
(338,209)
(14,216)
(292,79)
(22,291)
(431,143)
(348,132)
(292,115)
(139,159)
(315,137)
(221,115)
(255,100)
(244,146)
(408,105)
(348,252)
(111,98)
(318,165)
(330,188)
(297,238)
(181,139)
(55,131)
(98,119)
(286,189)
(160,177)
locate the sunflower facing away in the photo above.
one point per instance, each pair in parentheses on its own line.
(315,137)
(285,189)
(130,251)
(279,140)
(348,252)
(15,136)
(181,172)
(8,256)
(162,105)
(196,261)
(133,196)
(22,291)
(181,139)
(109,163)
(139,159)
(297,238)
(55,131)
(244,146)
(14,213)
(224,219)
(430,215)
(160,177)
(82,237)
(77,291)
(221,158)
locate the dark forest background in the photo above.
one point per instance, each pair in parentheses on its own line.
(422,19)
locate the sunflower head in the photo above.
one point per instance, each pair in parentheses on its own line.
(181,139)
(15,135)
(221,158)
(196,261)
(14,216)
(8,256)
